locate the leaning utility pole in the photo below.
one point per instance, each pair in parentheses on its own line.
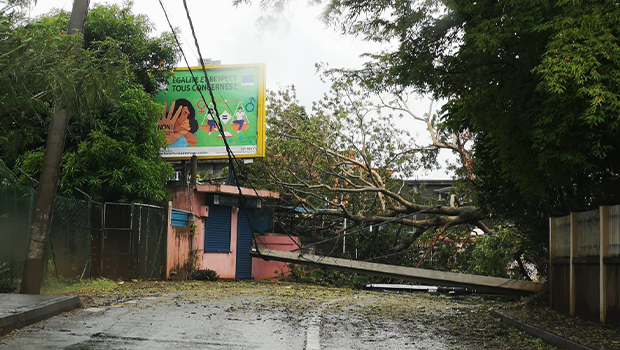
(46,190)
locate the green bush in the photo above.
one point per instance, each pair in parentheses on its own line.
(326,277)
(205,275)
(8,284)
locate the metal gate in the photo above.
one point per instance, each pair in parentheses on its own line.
(126,240)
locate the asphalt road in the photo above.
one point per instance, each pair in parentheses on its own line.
(161,323)
(251,316)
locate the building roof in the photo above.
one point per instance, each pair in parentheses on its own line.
(233,190)
(433,182)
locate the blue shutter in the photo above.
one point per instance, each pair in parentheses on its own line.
(217,230)
(179,218)
(244,244)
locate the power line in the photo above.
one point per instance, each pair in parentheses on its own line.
(393,254)
(230,154)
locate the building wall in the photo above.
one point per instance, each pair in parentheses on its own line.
(180,244)
(222,263)
(262,269)
(177,262)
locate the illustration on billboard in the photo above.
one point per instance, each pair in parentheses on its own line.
(189,121)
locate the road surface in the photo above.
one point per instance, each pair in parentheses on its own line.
(246,315)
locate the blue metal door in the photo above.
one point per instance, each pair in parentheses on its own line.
(217,230)
(244,244)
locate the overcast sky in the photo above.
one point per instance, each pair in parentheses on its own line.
(289,46)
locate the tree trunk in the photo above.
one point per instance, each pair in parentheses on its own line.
(46,191)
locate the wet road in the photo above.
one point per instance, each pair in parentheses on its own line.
(251,316)
(162,323)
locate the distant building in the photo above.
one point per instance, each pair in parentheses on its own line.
(432,189)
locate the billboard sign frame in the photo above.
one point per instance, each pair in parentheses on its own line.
(240,97)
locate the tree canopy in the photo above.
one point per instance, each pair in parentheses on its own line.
(534,81)
(105,79)
(533,84)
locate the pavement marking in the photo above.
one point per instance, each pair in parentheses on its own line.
(313,334)
(94,309)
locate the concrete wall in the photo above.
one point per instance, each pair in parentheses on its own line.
(177,255)
(179,243)
(262,269)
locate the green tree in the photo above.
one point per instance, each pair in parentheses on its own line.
(532,82)
(536,82)
(106,78)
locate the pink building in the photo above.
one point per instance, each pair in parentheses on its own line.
(221,237)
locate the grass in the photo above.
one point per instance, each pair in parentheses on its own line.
(77,286)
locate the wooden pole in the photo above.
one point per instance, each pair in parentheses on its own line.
(574,243)
(193,177)
(603,253)
(552,255)
(32,276)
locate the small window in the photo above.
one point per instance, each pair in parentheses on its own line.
(217,230)
(179,218)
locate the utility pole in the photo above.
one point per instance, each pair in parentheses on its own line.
(46,190)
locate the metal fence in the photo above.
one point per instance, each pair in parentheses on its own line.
(15,213)
(151,222)
(127,240)
(86,238)
(69,240)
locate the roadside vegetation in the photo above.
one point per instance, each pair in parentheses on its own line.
(106,82)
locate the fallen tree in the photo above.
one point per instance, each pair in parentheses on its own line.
(347,162)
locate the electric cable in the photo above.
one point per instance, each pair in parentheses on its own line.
(229,151)
(231,156)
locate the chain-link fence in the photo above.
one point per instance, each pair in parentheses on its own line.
(150,223)
(15,213)
(87,239)
(68,249)
(130,243)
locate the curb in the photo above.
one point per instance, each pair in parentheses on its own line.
(28,316)
(539,333)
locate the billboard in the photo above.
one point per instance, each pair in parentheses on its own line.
(190,128)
